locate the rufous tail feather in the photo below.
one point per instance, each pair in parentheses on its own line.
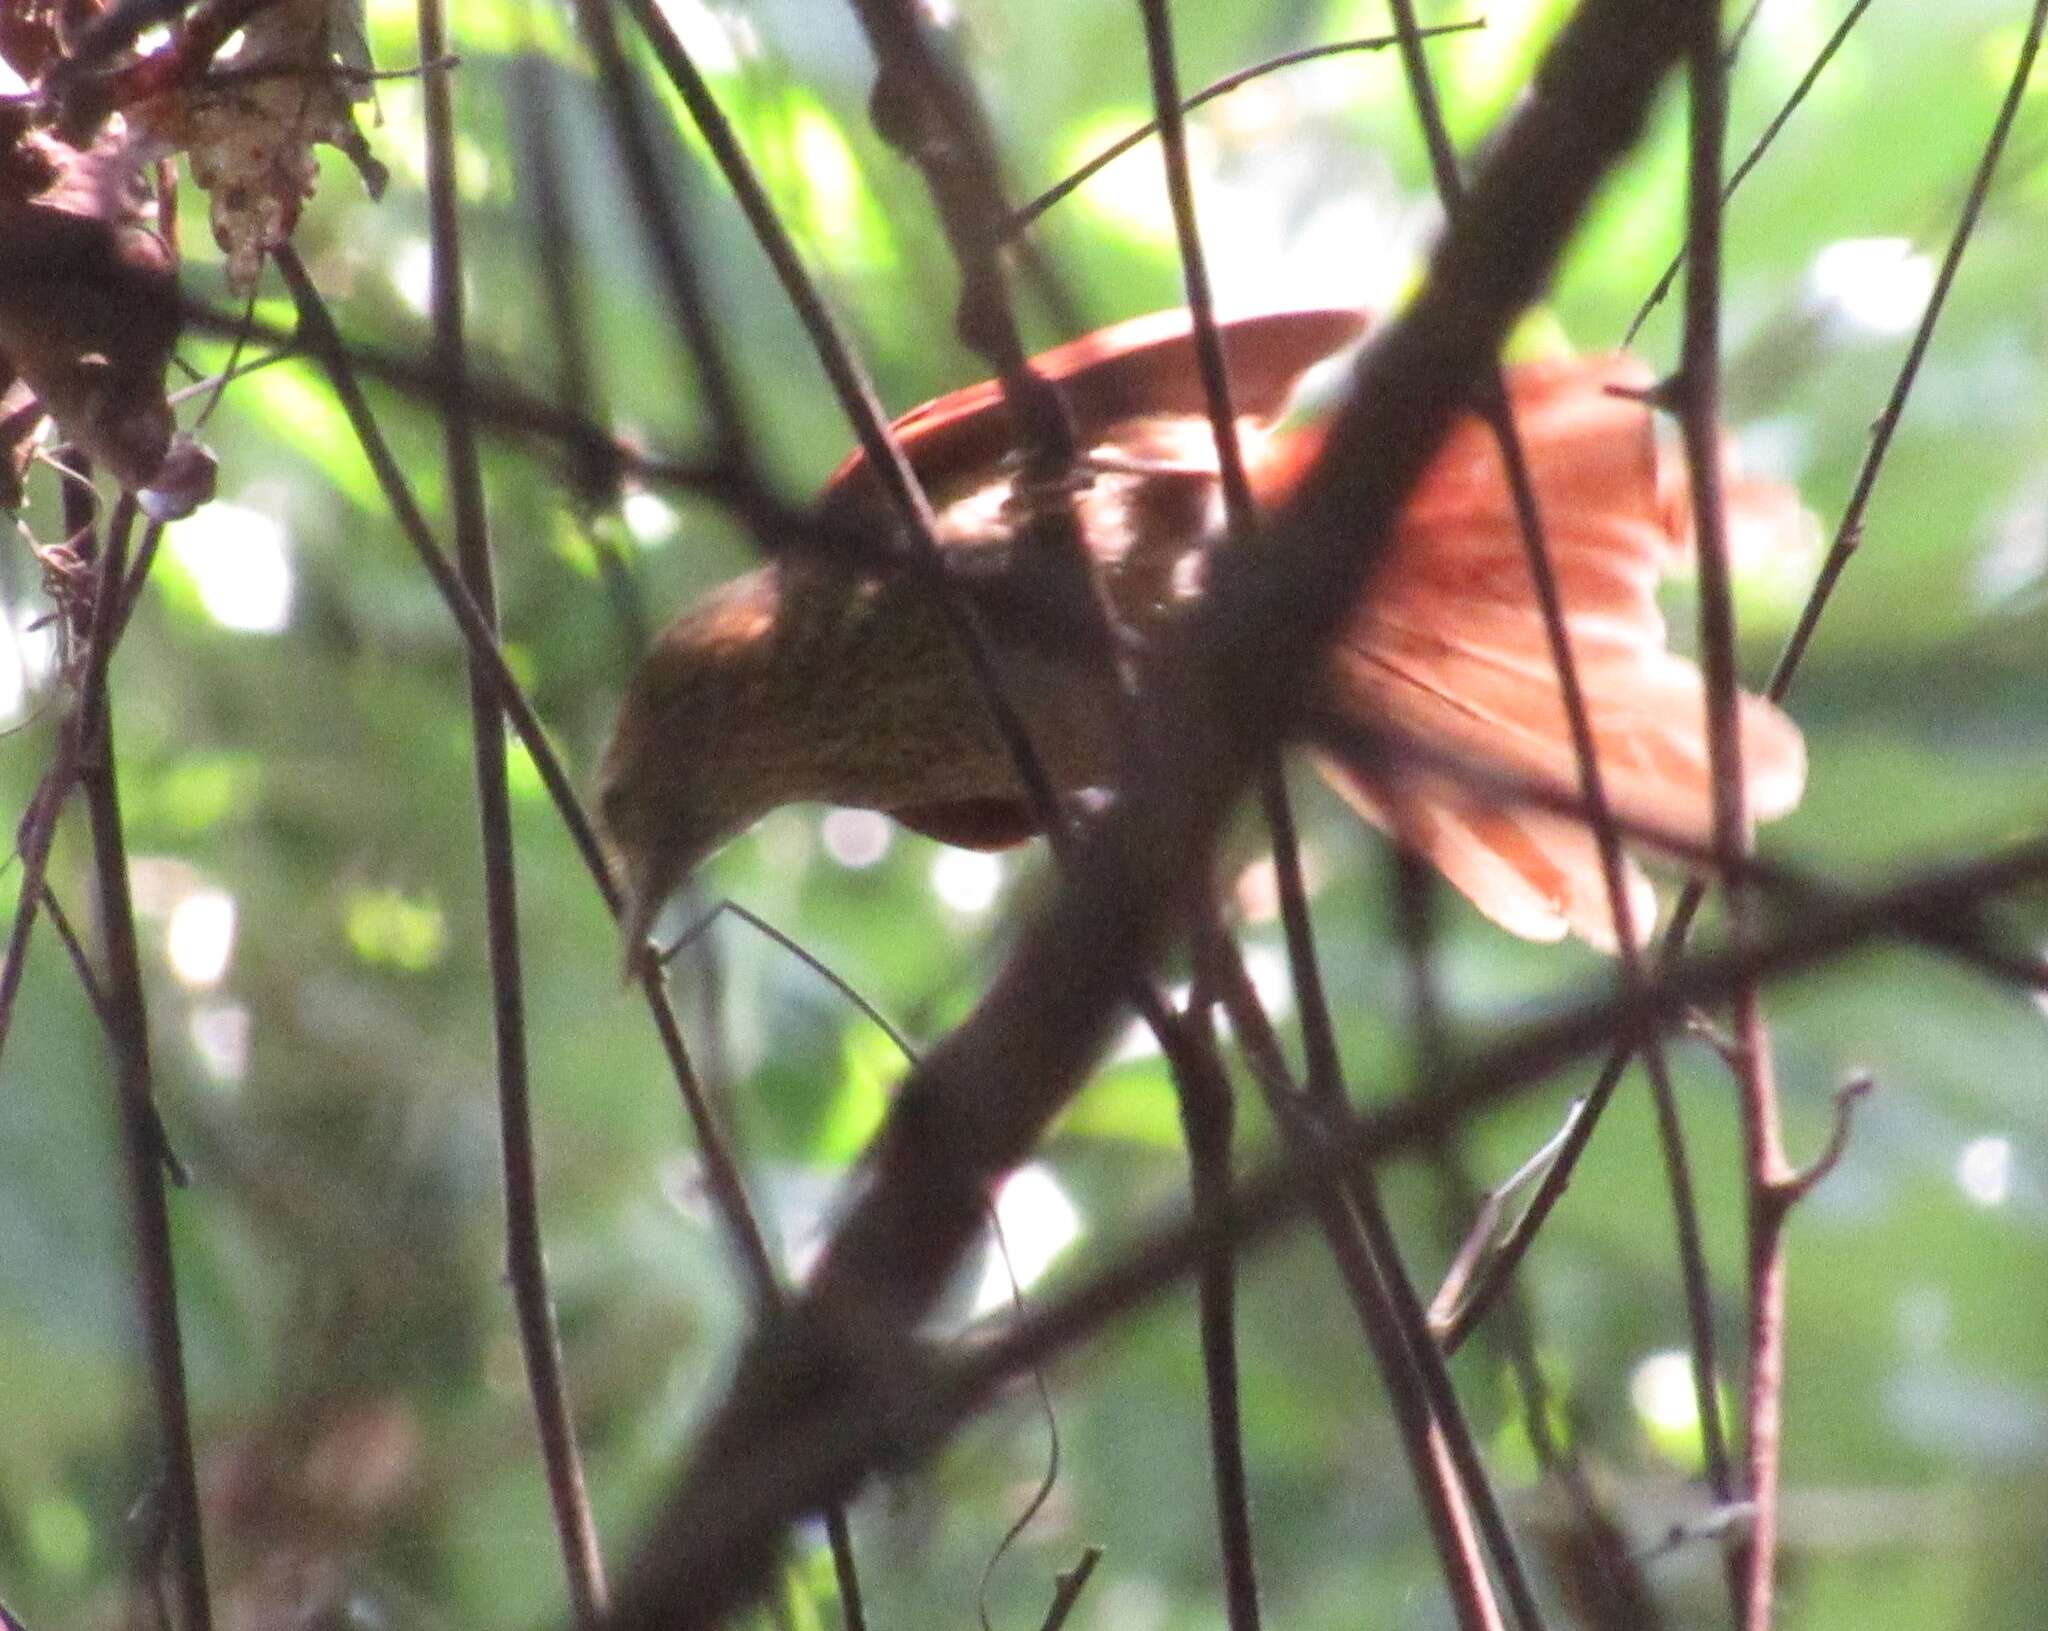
(1451,650)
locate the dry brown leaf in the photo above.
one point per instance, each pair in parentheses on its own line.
(249,125)
(89,307)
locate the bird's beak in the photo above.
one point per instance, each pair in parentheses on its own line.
(647,881)
(636,951)
(643,894)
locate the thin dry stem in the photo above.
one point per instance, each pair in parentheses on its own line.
(1698,392)
(525,1263)
(323,344)
(1592,788)
(128,1037)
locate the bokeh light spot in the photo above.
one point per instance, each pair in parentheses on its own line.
(199,940)
(220,1033)
(1877,284)
(857,839)
(1667,1406)
(966,881)
(237,560)
(1984,1171)
(650,518)
(1038,1222)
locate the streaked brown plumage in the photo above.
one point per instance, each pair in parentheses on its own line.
(807,681)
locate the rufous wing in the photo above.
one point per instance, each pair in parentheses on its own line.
(1451,650)
(1145,366)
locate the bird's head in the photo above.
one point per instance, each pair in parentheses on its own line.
(691,762)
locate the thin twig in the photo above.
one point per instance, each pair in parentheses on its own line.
(654,203)
(128,1037)
(1486,1231)
(1499,415)
(1208,1117)
(1850,1094)
(1849,535)
(510,411)
(88,979)
(337,73)
(537,133)
(1209,1135)
(1367,1268)
(1757,150)
(210,385)
(175,1170)
(1049,1479)
(138,576)
(525,1262)
(1071,1584)
(323,343)
(1698,397)
(1028,214)
(38,829)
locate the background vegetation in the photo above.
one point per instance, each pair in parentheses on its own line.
(294,767)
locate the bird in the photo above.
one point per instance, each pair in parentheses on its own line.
(837,679)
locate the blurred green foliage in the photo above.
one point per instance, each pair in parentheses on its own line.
(366,1446)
